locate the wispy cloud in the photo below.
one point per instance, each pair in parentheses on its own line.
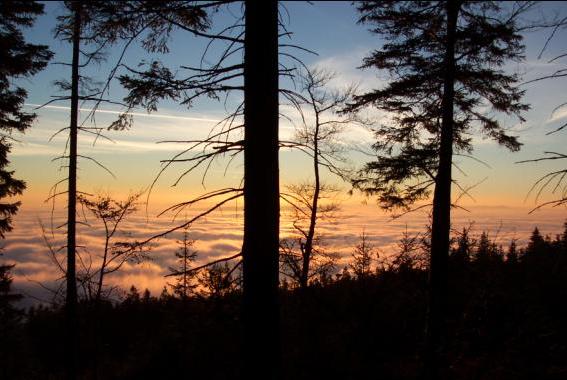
(141,114)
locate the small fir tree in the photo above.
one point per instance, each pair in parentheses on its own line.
(362,257)
(185,255)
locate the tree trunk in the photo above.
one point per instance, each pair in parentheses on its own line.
(71,297)
(308,250)
(261,192)
(440,228)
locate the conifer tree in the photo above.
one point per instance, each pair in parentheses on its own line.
(536,245)
(362,257)
(512,254)
(185,257)
(463,251)
(445,60)
(18,59)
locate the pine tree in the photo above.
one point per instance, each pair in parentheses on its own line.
(185,256)
(217,280)
(408,256)
(537,244)
(483,248)
(445,59)
(362,257)
(18,59)
(463,251)
(512,254)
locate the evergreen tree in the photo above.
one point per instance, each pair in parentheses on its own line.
(512,254)
(483,248)
(185,256)
(217,280)
(7,312)
(445,59)
(18,59)
(362,257)
(537,244)
(563,239)
(463,251)
(408,256)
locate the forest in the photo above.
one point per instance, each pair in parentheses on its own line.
(448,87)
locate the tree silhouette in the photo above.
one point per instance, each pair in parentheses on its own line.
(363,256)
(257,37)
(445,60)
(410,253)
(18,59)
(463,252)
(98,24)
(185,257)
(553,181)
(116,248)
(260,247)
(217,280)
(319,140)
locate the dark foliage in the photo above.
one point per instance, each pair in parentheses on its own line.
(414,56)
(506,321)
(18,59)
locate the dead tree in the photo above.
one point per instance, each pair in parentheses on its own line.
(318,138)
(553,181)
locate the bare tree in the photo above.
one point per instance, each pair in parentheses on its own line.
(319,139)
(116,249)
(553,181)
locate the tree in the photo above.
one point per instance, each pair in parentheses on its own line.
(259,71)
(217,280)
(260,247)
(18,59)
(7,312)
(512,254)
(100,24)
(363,255)
(409,255)
(463,252)
(537,244)
(553,181)
(445,60)
(486,251)
(319,141)
(115,253)
(185,256)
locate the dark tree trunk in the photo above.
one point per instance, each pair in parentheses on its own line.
(261,192)
(440,228)
(308,250)
(71,300)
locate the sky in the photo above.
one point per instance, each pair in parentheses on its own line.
(500,203)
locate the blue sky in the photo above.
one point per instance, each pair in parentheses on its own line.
(330,29)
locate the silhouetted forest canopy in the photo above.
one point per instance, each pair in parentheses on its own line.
(313,164)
